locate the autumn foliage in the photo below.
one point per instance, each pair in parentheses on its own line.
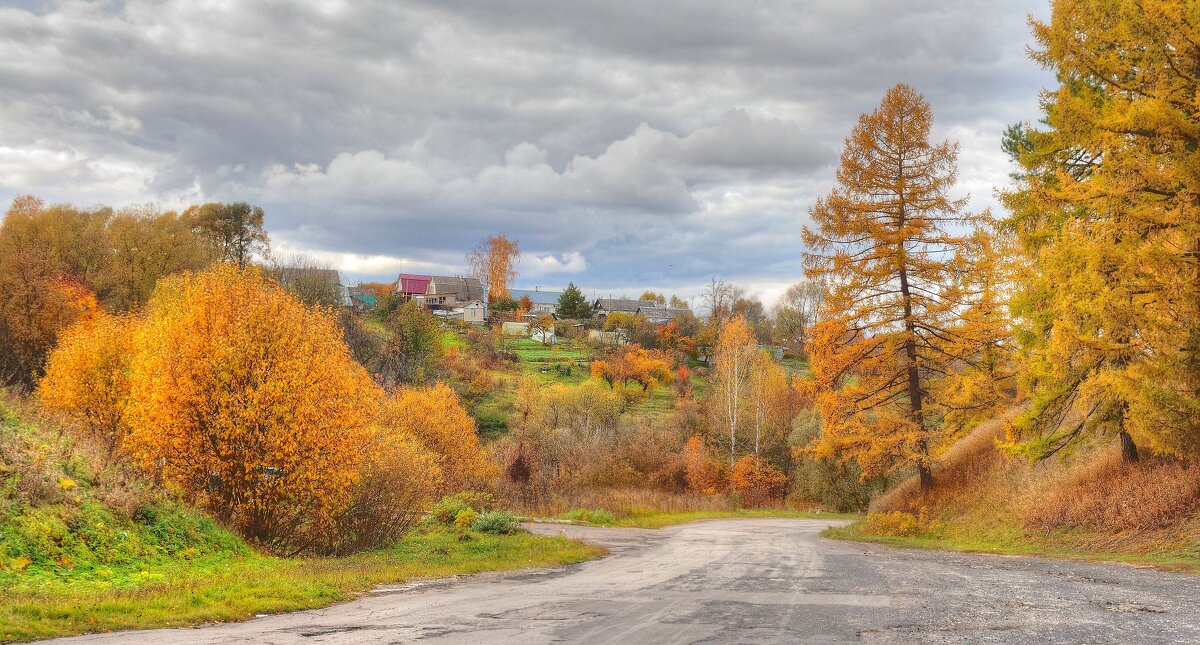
(434,418)
(249,403)
(648,368)
(890,241)
(757,481)
(703,473)
(494,261)
(1105,208)
(88,377)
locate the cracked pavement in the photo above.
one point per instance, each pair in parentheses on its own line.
(747,581)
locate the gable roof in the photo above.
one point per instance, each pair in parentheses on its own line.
(624,304)
(413,283)
(463,288)
(536,296)
(662,314)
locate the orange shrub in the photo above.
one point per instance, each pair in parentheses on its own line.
(400,480)
(435,418)
(758,482)
(248,403)
(87,377)
(700,469)
(648,368)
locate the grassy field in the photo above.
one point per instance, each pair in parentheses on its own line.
(564,362)
(238,586)
(1162,551)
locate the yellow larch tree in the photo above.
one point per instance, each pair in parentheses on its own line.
(1107,210)
(887,241)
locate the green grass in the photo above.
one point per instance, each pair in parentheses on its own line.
(657,520)
(239,586)
(565,362)
(1168,553)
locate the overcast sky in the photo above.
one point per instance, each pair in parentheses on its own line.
(627,144)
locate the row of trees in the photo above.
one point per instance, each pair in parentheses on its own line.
(58,262)
(1089,290)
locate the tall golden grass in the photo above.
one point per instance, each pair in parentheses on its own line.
(1111,496)
(1092,490)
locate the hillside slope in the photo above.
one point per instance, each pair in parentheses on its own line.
(66,518)
(1086,505)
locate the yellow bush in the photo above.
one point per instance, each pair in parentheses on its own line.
(899,523)
(250,404)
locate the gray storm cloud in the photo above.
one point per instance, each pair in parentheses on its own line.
(626,144)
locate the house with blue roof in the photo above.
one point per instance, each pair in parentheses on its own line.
(544,302)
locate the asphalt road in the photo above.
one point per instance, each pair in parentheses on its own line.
(749,581)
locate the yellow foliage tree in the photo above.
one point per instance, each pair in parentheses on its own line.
(434,417)
(1107,210)
(732,357)
(249,403)
(495,262)
(757,481)
(888,240)
(87,376)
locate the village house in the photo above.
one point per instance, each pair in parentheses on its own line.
(439,292)
(604,306)
(544,302)
(315,285)
(411,285)
(660,315)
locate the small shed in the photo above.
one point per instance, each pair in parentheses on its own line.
(515,329)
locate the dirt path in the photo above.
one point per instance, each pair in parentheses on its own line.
(749,581)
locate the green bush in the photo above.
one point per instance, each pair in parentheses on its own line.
(597,516)
(496,523)
(447,510)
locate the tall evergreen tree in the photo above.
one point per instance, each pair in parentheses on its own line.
(572,304)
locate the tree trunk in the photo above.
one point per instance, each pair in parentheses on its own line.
(926,478)
(1129,451)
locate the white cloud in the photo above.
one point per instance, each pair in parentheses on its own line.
(536,266)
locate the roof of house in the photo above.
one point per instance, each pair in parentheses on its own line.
(413,283)
(536,296)
(367,299)
(662,313)
(624,304)
(463,288)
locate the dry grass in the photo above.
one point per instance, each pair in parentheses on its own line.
(1088,505)
(1110,496)
(627,502)
(958,475)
